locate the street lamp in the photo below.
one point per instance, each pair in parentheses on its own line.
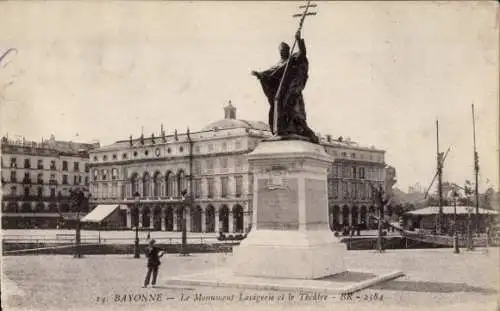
(77,199)
(136,244)
(186,202)
(456,249)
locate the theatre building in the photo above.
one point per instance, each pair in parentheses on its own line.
(143,177)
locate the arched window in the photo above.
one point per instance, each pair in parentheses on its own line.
(146,181)
(181,182)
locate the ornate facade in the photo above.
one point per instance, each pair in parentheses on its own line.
(146,176)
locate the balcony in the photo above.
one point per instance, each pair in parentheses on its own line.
(52,182)
(40,181)
(13,179)
(27,181)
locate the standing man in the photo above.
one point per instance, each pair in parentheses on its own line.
(153,254)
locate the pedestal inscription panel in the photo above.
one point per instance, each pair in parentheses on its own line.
(316,203)
(278,206)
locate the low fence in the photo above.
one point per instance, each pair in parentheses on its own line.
(15,249)
(97,239)
(64,243)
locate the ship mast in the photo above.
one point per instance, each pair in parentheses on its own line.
(476,170)
(440,181)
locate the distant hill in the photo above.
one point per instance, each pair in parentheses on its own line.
(490,199)
(413,198)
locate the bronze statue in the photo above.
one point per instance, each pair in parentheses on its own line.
(291,115)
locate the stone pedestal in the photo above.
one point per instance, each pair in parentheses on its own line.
(291,237)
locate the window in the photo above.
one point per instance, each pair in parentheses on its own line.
(353,174)
(353,155)
(169,150)
(26,191)
(96,173)
(146,152)
(224,185)
(26,177)
(237,144)
(13,162)
(223,162)
(197,149)
(13,190)
(181,149)
(27,163)
(361,172)
(335,171)
(105,158)
(39,164)
(86,180)
(114,173)
(210,184)
(345,191)
(76,166)
(52,192)
(52,179)
(52,165)
(197,167)
(210,164)
(104,174)
(224,146)
(75,180)
(65,179)
(355,187)
(65,166)
(87,169)
(40,192)
(345,172)
(114,156)
(238,163)
(210,147)
(197,188)
(238,181)
(104,190)
(124,156)
(135,153)
(13,177)
(335,189)
(39,178)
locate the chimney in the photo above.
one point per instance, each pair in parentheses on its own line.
(229,111)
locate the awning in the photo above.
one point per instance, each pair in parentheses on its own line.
(100,212)
(449,210)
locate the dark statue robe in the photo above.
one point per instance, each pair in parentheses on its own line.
(291,111)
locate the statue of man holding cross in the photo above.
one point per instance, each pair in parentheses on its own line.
(283,84)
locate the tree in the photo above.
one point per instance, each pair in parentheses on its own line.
(79,198)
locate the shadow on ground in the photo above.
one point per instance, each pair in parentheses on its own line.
(408,285)
(434,287)
(349,276)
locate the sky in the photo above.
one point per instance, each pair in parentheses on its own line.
(380,73)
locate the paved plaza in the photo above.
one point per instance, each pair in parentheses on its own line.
(433,279)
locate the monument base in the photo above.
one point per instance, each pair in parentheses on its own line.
(290,237)
(289,254)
